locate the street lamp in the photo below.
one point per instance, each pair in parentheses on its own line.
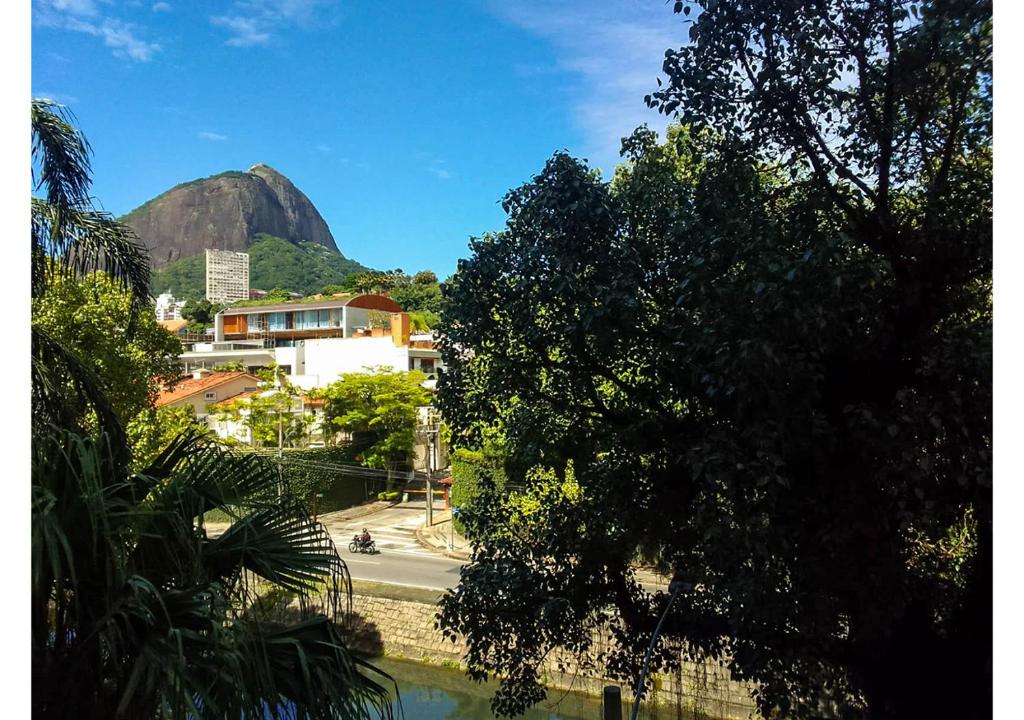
(676,586)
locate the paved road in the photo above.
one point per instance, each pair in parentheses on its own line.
(400,560)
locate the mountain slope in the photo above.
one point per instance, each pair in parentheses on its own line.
(227,211)
(273,262)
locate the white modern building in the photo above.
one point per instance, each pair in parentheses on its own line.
(315,341)
(168,308)
(227,276)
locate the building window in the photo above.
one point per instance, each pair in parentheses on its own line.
(211,396)
(276,321)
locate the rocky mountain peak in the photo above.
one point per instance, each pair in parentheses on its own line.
(226,211)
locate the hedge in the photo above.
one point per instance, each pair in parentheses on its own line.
(471,469)
(337,489)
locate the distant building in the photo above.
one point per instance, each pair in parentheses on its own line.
(205,388)
(227,276)
(167,308)
(314,341)
(257,294)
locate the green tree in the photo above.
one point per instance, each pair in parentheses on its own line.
(379,409)
(416,297)
(135,611)
(765,352)
(278,294)
(233,366)
(153,429)
(425,277)
(271,418)
(95,319)
(200,314)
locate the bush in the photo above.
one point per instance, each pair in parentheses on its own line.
(392,495)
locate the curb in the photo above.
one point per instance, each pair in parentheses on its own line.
(426,544)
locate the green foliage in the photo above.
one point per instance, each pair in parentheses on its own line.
(185,277)
(764,351)
(416,297)
(200,314)
(423,320)
(235,366)
(381,408)
(475,472)
(302,268)
(273,262)
(153,429)
(272,417)
(277,295)
(425,277)
(108,542)
(317,478)
(129,352)
(388,495)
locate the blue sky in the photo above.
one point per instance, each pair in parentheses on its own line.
(404,122)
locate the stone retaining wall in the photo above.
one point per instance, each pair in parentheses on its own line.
(405,629)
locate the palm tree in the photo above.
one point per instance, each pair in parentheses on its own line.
(136,611)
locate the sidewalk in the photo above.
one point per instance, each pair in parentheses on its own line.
(439,537)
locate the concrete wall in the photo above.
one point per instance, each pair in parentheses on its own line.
(405,629)
(329,357)
(294,357)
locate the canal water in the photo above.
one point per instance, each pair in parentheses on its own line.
(438,693)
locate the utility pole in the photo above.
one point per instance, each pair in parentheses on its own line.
(430,475)
(280,453)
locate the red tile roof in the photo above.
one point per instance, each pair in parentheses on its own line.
(190,386)
(252,393)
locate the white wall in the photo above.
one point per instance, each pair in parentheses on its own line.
(329,357)
(293,357)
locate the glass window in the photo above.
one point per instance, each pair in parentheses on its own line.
(276,321)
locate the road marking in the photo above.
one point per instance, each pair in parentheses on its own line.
(364,562)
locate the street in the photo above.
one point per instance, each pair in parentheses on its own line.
(400,560)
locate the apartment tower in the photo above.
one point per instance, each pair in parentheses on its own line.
(227,276)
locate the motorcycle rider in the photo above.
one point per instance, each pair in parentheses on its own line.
(364,539)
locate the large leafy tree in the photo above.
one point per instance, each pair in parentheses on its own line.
(135,611)
(95,318)
(763,353)
(379,409)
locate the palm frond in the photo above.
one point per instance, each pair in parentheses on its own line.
(76,241)
(61,153)
(65,390)
(279,543)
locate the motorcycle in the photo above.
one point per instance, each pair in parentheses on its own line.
(359,546)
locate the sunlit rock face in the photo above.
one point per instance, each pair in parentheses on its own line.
(226,212)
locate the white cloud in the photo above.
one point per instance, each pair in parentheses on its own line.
(161,7)
(75,7)
(255,22)
(82,16)
(245,31)
(323,148)
(614,49)
(439,173)
(207,135)
(117,35)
